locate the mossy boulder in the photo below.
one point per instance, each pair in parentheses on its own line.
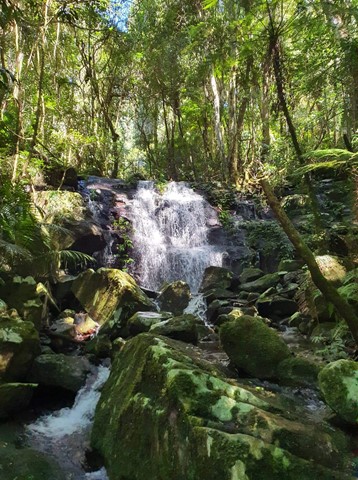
(58,370)
(184,328)
(252,346)
(19,345)
(141,322)
(15,397)
(298,371)
(338,382)
(261,284)
(27,464)
(110,297)
(250,274)
(174,297)
(166,413)
(100,346)
(277,306)
(216,277)
(288,265)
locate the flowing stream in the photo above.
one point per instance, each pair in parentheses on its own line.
(171,235)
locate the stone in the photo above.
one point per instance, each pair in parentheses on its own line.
(27,464)
(100,346)
(296,319)
(213,309)
(288,265)
(252,346)
(110,297)
(338,382)
(277,306)
(174,297)
(141,322)
(218,294)
(324,331)
(15,397)
(216,277)
(59,370)
(262,284)
(3,307)
(64,326)
(184,328)
(167,413)
(250,274)
(298,371)
(84,325)
(19,345)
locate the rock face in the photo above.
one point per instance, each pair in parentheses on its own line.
(166,413)
(110,296)
(14,397)
(19,345)
(252,346)
(338,382)
(175,297)
(58,370)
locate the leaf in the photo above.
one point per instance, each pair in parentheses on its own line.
(209,4)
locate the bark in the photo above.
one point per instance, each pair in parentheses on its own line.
(18,101)
(329,292)
(217,122)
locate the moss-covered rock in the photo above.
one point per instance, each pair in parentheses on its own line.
(174,297)
(184,328)
(252,346)
(277,306)
(262,284)
(100,346)
(19,345)
(166,413)
(58,370)
(141,322)
(288,265)
(298,371)
(338,382)
(250,274)
(14,397)
(27,464)
(110,297)
(216,277)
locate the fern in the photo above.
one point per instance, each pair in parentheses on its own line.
(329,159)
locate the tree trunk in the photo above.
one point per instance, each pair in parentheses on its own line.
(329,292)
(217,122)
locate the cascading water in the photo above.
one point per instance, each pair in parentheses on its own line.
(171,236)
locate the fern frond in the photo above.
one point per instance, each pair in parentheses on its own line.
(329,159)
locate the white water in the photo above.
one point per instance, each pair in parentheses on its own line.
(170,236)
(65,433)
(197,306)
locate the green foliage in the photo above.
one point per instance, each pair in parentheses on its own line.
(268,238)
(124,248)
(334,347)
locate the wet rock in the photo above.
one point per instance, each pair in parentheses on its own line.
(252,346)
(100,346)
(174,297)
(184,328)
(110,297)
(19,345)
(64,326)
(27,464)
(262,284)
(15,397)
(141,322)
(298,371)
(250,274)
(173,415)
(216,277)
(277,306)
(218,294)
(338,382)
(287,265)
(213,310)
(58,370)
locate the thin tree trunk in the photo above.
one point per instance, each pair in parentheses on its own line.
(18,101)
(329,292)
(217,122)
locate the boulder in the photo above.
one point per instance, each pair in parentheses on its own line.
(141,322)
(277,306)
(100,346)
(252,346)
(218,294)
(338,382)
(216,277)
(19,345)
(184,328)
(174,297)
(298,371)
(110,297)
(58,370)
(15,397)
(250,274)
(287,265)
(262,284)
(27,464)
(173,415)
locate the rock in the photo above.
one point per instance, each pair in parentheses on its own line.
(324,331)
(100,346)
(298,371)
(184,328)
(253,346)
(218,294)
(287,265)
(15,397)
(296,319)
(250,274)
(141,322)
(59,177)
(84,325)
(3,307)
(216,277)
(277,306)
(262,284)
(19,345)
(213,309)
(332,268)
(338,382)
(110,297)
(174,297)
(64,326)
(27,464)
(58,370)
(172,415)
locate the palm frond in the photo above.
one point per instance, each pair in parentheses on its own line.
(11,250)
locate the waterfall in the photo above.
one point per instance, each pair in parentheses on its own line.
(171,236)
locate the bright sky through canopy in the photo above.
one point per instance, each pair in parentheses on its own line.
(119,12)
